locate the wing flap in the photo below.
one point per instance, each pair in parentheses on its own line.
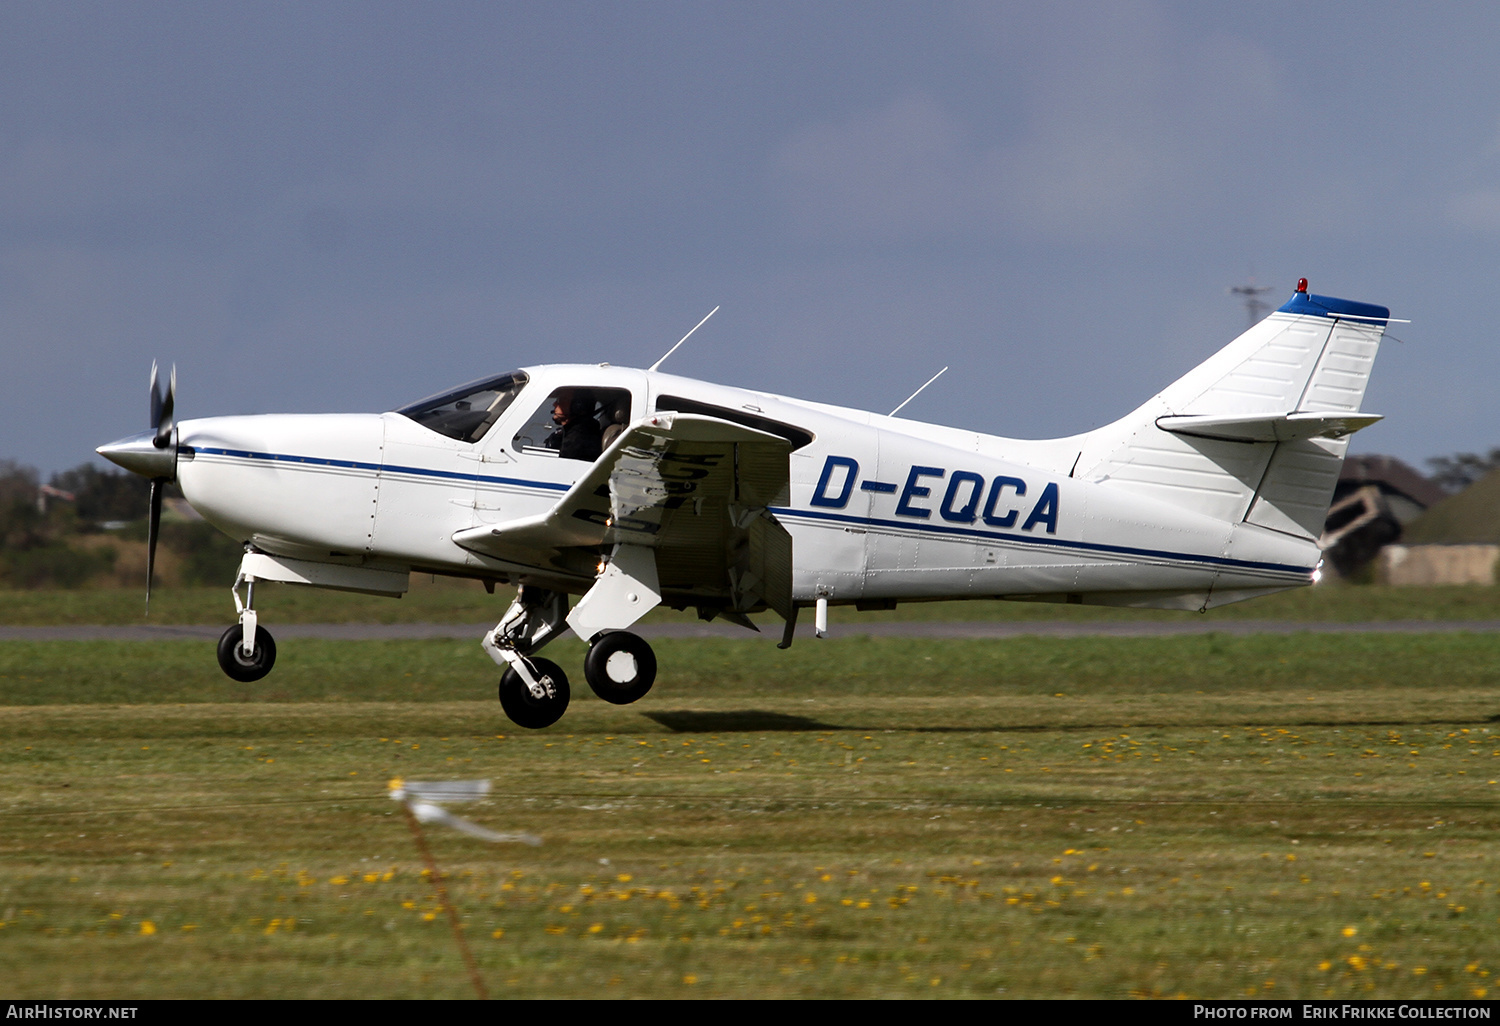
(695,489)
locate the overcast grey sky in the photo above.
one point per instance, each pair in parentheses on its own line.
(346,206)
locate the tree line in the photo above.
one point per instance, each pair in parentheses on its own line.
(75,529)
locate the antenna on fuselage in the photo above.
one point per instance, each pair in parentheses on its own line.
(683,339)
(918,391)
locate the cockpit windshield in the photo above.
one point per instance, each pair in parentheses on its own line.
(468,411)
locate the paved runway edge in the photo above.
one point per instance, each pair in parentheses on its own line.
(907,629)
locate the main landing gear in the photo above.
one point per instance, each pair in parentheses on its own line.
(246,651)
(620,667)
(533,692)
(530,710)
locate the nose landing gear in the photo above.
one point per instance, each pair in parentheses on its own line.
(242,666)
(246,651)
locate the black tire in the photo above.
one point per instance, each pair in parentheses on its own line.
(620,667)
(522,707)
(233,662)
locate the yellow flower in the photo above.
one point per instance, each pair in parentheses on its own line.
(147,928)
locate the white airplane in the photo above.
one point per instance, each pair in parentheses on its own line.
(634,488)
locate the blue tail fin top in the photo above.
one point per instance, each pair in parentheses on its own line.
(1327,306)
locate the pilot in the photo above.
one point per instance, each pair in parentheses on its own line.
(578,435)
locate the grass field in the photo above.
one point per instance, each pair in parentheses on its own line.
(451,601)
(1205,816)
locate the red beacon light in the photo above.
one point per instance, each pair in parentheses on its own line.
(1302,285)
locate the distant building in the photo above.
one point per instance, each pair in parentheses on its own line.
(1428,565)
(1375,499)
(1457,541)
(1472,517)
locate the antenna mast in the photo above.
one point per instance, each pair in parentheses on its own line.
(917,392)
(683,339)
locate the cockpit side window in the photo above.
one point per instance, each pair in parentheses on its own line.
(467,412)
(799,437)
(575,423)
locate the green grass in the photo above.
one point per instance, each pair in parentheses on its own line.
(446,601)
(1295,816)
(1265,670)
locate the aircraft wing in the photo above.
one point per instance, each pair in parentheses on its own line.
(695,489)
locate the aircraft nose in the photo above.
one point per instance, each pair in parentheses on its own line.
(139,455)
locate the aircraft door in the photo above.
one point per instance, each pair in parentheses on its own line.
(536,453)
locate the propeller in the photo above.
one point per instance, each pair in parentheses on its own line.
(153,455)
(161,408)
(161,423)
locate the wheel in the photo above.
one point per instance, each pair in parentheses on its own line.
(620,667)
(232,659)
(525,709)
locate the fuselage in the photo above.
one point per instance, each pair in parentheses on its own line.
(880,509)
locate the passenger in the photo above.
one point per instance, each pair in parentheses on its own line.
(577,436)
(617,416)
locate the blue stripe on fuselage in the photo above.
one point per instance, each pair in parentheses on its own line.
(970,532)
(318,461)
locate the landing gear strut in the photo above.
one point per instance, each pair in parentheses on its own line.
(533,692)
(246,651)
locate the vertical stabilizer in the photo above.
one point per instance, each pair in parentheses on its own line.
(1258,431)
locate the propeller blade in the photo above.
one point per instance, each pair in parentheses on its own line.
(153,529)
(163,412)
(155,398)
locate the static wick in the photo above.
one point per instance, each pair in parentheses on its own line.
(918,391)
(683,339)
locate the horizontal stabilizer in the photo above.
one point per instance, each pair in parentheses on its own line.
(1288,427)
